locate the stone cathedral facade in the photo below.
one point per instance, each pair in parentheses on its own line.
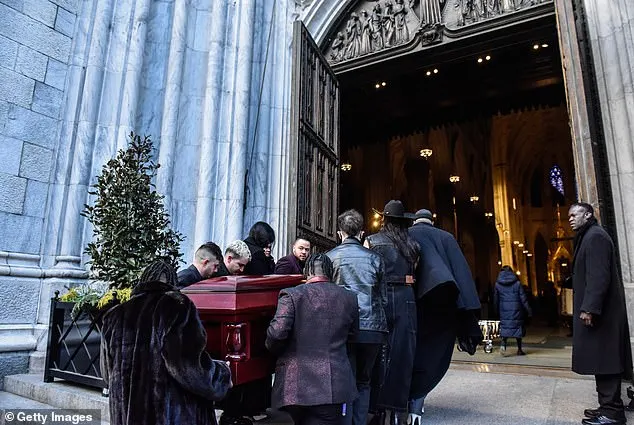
(211,82)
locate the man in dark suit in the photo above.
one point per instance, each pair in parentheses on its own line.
(294,262)
(206,260)
(237,257)
(309,333)
(446,298)
(601,338)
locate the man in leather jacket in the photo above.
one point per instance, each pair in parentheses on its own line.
(361,271)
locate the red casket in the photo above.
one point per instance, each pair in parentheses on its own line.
(236,311)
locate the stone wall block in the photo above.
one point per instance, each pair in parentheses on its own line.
(14,4)
(8,52)
(30,126)
(26,30)
(56,74)
(31,63)
(41,10)
(11,195)
(47,100)
(70,5)
(65,22)
(19,299)
(36,163)
(10,155)
(35,199)
(16,88)
(20,233)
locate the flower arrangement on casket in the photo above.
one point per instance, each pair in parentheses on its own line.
(131,228)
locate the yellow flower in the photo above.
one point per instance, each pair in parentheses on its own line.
(69,296)
(124,294)
(107,298)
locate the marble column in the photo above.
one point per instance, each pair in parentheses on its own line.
(611,31)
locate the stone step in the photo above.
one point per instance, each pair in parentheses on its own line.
(58,394)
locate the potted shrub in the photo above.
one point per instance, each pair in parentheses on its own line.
(131,229)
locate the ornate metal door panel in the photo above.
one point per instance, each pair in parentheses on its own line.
(314,153)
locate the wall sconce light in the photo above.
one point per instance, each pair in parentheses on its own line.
(516,242)
(474,199)
(529,255)
(426,153)
(518,272)
(454,179)
(346,166)
(499,263)
(521,245)
(488,214)
(525,251)
(434,215)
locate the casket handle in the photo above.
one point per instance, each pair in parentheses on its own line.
(235,342)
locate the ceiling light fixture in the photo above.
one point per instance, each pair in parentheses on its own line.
(428,73)
(545,45)
(435,70)
(426,153)
(488,57)
(377,85)
(384,84)
(480,60)
(536,46)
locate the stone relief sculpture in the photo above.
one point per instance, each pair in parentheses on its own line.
(375,25)
(431,13)
(370,29)
(402,33)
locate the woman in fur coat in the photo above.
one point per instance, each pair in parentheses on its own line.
(153,357)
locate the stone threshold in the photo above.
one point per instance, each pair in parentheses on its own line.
(511,369)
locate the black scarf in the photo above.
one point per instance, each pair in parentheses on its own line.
(581,233)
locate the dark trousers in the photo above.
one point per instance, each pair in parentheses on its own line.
(518,340)
(324,414)
(609,394)
(393,394)
(363,358)
(437,316)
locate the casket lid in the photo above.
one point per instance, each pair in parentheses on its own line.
(244,283)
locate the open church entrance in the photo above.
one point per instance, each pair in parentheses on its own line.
(476,131)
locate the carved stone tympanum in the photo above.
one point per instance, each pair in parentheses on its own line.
(373,26)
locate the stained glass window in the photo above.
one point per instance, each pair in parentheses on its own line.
(556,180)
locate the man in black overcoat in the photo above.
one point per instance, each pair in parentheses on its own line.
(446,302)
(601,339)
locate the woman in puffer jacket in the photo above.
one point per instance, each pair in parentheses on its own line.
(512,304)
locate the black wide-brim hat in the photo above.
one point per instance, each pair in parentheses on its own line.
(395,209)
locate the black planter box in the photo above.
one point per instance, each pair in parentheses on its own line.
(74,346)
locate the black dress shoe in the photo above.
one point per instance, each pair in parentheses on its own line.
(603,420)
(591,413)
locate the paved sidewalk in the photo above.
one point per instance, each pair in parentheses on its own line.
(466,397)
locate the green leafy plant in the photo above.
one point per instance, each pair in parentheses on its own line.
(131,226)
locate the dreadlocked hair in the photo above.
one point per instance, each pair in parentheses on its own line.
(159,271)
(396,230)
(319,264)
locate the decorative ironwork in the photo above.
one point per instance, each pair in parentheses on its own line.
(315,127)
(74,346)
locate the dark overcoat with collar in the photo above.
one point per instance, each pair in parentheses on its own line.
(154,361)
(603,348)
(441,261)
(309,333)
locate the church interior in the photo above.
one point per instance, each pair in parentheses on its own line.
(477,132)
